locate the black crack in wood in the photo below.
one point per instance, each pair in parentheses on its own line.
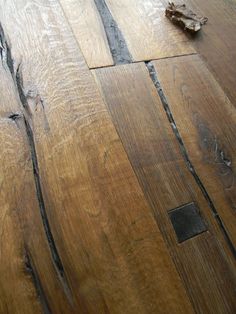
(118,47)
(53,249)
(19,85)
(187,221)
(6,56)
(25,97)
(156,82)
(31,269)
(5,52)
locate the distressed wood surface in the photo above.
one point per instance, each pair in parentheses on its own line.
(88,29)
(204,262)
(147,32)
(105,246)
(29,282)
(207,123)
(217,41)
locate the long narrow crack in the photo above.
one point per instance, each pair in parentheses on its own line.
(156,82)
(31,269)
(55,255)
(7,60)
(53,249)
(117,44)
(5,52)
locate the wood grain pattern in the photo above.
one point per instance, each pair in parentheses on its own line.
(207,123)
(148,33)
(111,249)
(24,251)
(88,29)
(217,41)
(204,261)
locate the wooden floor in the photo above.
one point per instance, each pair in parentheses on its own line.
(118,158)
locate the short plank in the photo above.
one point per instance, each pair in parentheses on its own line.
(28,280)
(207,123)
(88,29)
(204,261)
(111,249)
(148,33)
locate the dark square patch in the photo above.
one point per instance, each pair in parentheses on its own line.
(187,222)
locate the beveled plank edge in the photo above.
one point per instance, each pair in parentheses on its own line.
(145,60)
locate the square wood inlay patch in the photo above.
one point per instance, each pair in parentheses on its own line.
(187,221)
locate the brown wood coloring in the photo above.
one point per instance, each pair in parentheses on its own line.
(117,185)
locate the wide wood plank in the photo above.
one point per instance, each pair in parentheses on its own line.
(88,29)
(207,123)
(111,250)
(204,261)
(28,280)
(148,33)
(217,41)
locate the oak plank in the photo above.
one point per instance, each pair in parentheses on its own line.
(14,277)
(207,123)
(24,250)
(111,249)
(203,262)
(148,33)
(88,29)
(217,41)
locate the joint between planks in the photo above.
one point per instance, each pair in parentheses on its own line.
(157,84)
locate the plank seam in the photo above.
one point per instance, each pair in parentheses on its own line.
(153,75)
(146,60)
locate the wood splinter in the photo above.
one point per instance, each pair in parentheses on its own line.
(186,18)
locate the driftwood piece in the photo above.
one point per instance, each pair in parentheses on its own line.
(186,18)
